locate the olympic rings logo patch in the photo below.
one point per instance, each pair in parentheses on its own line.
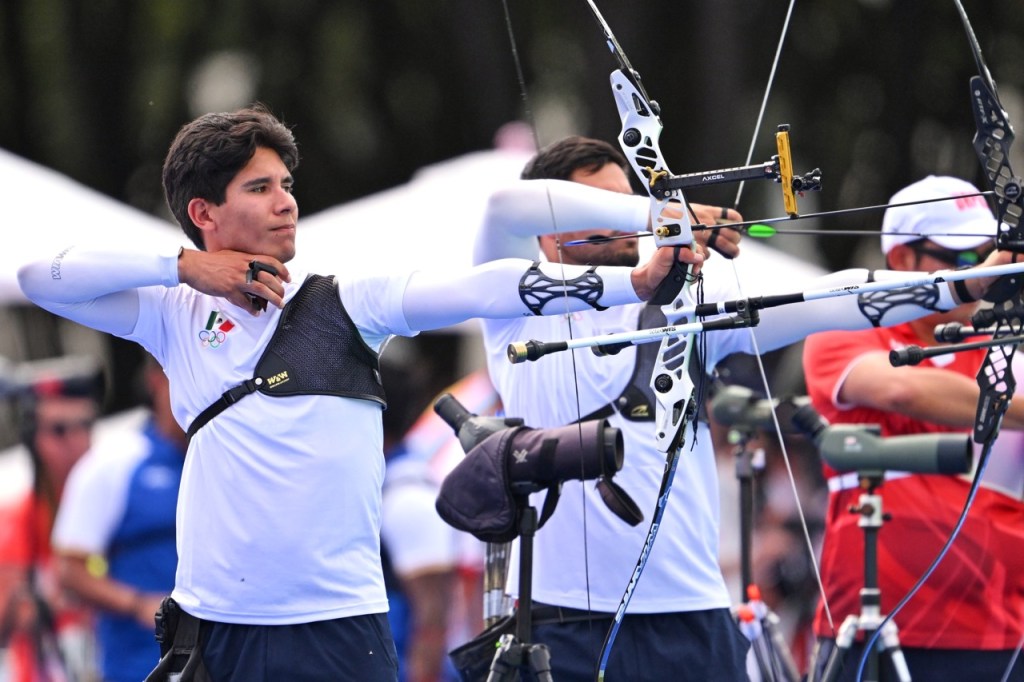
(216,332)
(212,338)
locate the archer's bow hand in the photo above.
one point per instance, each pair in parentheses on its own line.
(647,277)
(724,240)
(981,287)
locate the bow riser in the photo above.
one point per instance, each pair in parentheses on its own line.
(639,140)
(995,378)
(674,392)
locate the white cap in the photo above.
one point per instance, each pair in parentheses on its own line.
(957,224)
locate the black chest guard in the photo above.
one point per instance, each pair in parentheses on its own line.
(316,350)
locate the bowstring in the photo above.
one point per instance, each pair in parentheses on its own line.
(532,121)
(753,336)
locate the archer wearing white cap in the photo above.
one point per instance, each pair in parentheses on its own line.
(968,618)
(947,229)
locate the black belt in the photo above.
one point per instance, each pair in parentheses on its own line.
(543,614)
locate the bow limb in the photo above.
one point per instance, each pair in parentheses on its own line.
(674,390)
(992,142)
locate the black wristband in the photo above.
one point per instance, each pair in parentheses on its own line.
(962,292)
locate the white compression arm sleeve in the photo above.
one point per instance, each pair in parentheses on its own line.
(517,214)
(96,287)
(785,324)
(440,299)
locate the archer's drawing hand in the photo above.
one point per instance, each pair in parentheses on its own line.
(724,240)
(227,274)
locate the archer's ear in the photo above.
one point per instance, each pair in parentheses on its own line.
(901,257)
(199,213)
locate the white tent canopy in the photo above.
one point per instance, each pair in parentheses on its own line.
(47,210)
(429,222)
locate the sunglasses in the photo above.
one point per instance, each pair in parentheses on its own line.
(957,259)
(61,429)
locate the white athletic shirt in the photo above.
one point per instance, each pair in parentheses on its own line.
(271,535)
(584,555)
(279,509)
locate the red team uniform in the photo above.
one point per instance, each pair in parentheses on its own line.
(975,598)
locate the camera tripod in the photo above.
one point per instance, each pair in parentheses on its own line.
(515,651)
(755,619)
(869,507)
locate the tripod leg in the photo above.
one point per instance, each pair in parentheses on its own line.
(890,642)
(762,655)
(767,645)
(751,627)
(505,664)
(780,649)
(816,670)
(844,640)
(540,662)
(835,665)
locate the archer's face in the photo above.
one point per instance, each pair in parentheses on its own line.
(620,252)
(63,433)
(259,213)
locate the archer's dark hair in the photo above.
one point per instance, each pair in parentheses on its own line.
(208,152)
(559,160)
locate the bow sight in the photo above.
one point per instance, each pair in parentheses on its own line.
(779,169)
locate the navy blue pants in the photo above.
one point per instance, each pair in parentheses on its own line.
(697,646)
(927,664)
(358,648)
